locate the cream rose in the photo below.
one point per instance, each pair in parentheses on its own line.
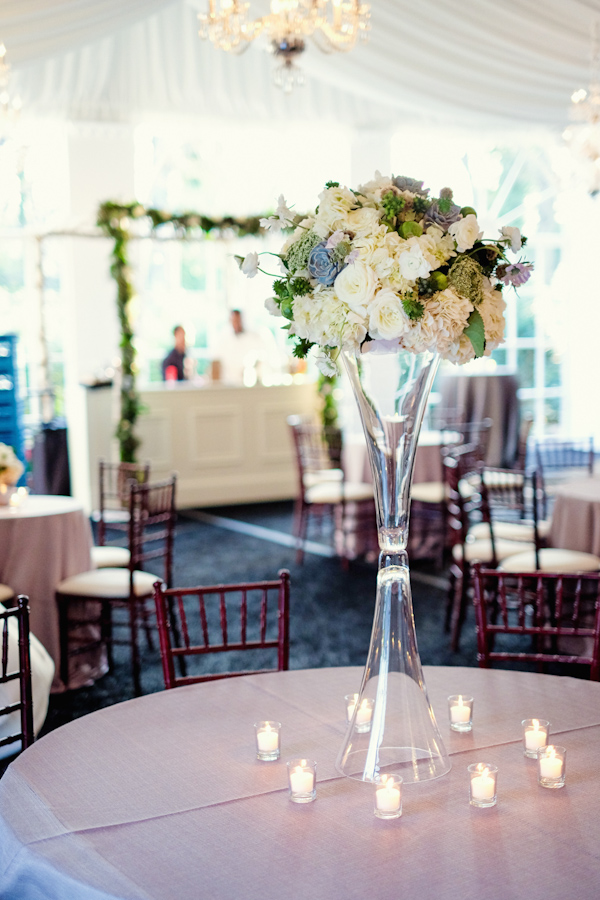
(356,285)
(387,319)
(363,221)
(465,232)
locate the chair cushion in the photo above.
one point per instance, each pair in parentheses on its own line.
(110,583)
(331,492)
(482,550)
(110,557)
(510,531)
(553,560)
(323,475)
(42,673)
(6,593)
(428,491)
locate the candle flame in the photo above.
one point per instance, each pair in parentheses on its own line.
(302,763)
(364,704)
(536,724)
(552,754)
(268,728)
(481,767)
(460,700)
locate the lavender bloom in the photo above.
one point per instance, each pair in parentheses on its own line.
(514,273)
(322,266)
(410,184)
(434,216)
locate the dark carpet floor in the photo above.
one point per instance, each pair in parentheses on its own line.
(331,607)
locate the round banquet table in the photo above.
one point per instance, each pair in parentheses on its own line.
(161,797)
(43,541)
(576,516)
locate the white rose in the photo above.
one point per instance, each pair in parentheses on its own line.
(355,285)
(465,232)
(272,307)
(363,221)
(514,236)
(412,263)
(387,319)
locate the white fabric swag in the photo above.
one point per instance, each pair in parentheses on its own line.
(512,63)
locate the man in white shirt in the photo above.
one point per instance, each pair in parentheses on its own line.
(240,355)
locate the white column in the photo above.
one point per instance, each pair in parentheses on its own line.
(101,168)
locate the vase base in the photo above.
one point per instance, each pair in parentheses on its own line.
(414,764)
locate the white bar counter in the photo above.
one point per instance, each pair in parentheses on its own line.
(226,444)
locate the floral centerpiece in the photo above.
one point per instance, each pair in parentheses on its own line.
(388,262)
(11,467)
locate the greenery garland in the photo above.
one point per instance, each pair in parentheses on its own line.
(113,219)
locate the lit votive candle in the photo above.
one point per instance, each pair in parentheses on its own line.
(551,766)
(483,777)
(351,701)
(302,778)
(535,735)
(460,710)
(388,797)
(267,740)
(364,714)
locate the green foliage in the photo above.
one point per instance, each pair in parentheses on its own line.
(393,206)
(300,287)
(475,331)
(412,307)
(466,276)
(331,184)
(302,348)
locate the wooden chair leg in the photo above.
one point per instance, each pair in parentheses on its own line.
(146,623)
(135,652)
(63,631)
(301,534)
(106,632)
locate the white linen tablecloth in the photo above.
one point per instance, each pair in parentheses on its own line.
(162,797)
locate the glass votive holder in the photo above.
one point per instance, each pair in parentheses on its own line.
(267,740)
(364,714)
(388,797)
(535,735)
(552,762)
(482,784)
(460,711)
(350,700)
(302,779)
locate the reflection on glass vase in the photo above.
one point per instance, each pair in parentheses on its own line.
(391,388)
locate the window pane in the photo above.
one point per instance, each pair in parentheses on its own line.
(552,369)
(525,317)
(526,368)
(552,412)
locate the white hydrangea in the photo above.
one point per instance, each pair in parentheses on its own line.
(491,310)
(334,205)
(354,331)
(450,311)
(460,352)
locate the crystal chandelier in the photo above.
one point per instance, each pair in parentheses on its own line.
(9,108)
(583,136)
(334,26)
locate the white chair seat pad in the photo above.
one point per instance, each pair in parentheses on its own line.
(323,475)
(509,531)
(42,673)
(332,492)
(553,559)
(482,550)
(110,583)
(110,557)
(428,491)
(6,593)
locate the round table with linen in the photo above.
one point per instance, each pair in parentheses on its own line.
(42,541)
(576,516)
(162,797)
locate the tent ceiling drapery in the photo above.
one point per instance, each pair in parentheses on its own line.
(510,63)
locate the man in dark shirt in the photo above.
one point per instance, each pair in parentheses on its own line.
(172,364)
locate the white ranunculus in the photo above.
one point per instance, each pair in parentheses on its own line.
(387,319)
(356,285)
(465,232)
(412,262)
(514,236)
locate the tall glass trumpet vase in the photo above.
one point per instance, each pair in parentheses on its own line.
(391,389)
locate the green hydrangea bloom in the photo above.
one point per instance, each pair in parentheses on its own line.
(466,277)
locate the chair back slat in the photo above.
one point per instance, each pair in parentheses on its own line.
(549,609)
(24,706)
(114,483)
(152,518)
(223,614)
(214,607)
